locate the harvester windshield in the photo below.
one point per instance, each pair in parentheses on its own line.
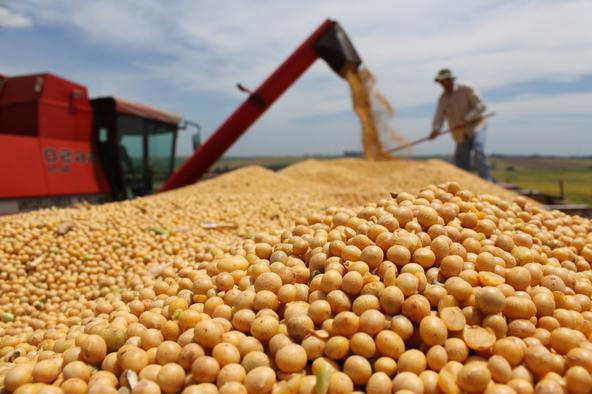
(147,152)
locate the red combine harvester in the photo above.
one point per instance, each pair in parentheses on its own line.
(58,147)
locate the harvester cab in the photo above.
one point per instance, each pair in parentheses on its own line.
(137,144)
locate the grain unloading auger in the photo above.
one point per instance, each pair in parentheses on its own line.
(328,42)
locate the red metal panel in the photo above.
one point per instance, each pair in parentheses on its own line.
(20,119)
(245,115)
(64,110)
(59,121)
(34,167)
(146,111)
(21,89)
(18,105)
(21,167)
(71,168)
(45,105)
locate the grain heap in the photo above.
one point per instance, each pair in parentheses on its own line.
(441,291)
(57,259)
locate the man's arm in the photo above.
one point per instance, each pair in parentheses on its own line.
(438,120)
(476,105)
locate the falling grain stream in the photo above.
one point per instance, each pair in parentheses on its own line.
(374,112)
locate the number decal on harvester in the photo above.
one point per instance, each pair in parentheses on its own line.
(50,155)
(60,160)
(66,156)
(80,157)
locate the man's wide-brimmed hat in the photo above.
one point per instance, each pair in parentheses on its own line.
(443,74)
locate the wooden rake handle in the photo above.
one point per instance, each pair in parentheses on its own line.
(424,139)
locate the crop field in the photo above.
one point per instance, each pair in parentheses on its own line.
(544,173)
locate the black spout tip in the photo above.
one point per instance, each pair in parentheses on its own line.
(336,49)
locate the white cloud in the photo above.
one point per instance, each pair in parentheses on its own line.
(564,104)
(212,44)
(12,19)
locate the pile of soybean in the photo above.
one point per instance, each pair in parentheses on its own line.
(443,291)
(55,261)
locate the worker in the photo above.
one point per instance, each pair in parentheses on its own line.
(462,107)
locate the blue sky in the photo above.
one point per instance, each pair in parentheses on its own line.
(531,60)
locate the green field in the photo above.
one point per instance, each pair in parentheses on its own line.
(545,173)
(530,172)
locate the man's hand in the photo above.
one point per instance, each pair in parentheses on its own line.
(434,134)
